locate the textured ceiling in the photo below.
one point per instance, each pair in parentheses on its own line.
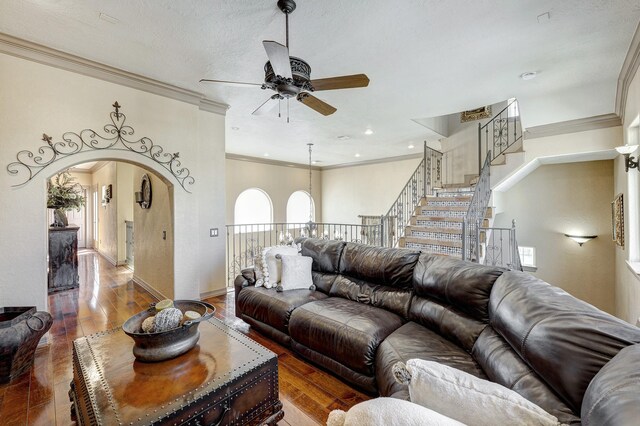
(424,58)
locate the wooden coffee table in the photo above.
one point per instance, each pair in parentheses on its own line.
(227,379)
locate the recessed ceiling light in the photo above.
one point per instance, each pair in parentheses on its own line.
(108,18)
(357,155)
(411,146)
(344,138)
(368,132)
(235,128)
(314,162)
(266,154)
(529,75)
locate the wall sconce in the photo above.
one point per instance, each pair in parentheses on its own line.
(581,239)
(629,162)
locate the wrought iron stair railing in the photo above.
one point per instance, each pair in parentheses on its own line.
(501,247)
(499,134)
(472,221)
(427,175)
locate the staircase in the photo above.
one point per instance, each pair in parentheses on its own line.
(436,226)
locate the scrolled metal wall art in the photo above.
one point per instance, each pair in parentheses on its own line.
(117,139)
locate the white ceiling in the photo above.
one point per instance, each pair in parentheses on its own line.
(424,58)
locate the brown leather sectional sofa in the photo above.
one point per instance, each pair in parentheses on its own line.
(375,306)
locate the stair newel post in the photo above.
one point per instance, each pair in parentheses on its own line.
(514,248)
(424,170)
(478,223)
(479,149)
(464,239)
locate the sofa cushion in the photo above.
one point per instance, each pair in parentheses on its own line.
(346,331)
(385,266)
(612,396)
(447,321)
(415,341)
(326,254)
(565,340)
(274,308)
(464,285)
(392,299)
(503,365)
(468,399)
(323,280)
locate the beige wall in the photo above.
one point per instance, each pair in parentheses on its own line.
(628,282)
(571,198)
(40,98)
(363,190)
(125,200)
(107,213)
(279,182)
(153,252)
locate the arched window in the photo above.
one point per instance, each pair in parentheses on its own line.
(252,206)
(298,208)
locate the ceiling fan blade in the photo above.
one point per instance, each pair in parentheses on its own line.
(279,58)
(268,105)
(343,82)
(237,83)
(316,104)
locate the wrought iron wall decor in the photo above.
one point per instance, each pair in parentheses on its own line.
(116,138)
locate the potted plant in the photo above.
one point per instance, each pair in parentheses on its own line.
(64,194)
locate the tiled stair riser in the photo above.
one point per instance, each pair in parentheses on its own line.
(435,235)
(452,251)
(445,203)
(438,224)
(443,213)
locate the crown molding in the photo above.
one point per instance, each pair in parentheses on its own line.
(375,161)
(573,126)
(45,55)
(629,68)
(238,157)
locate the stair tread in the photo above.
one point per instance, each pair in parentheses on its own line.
(456,198)
(418,240)
(446,208)
(439,218)
(430,229)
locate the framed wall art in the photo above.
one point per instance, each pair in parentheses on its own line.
(617,220)
(475,114)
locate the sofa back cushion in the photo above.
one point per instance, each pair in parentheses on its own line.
(503,365)
(564,340)
(379,266)
(392,299)
(326,254)
(613,396)
(464,285)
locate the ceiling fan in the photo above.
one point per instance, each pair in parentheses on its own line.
(290,76)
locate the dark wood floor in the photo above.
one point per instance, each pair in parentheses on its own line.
(105,299)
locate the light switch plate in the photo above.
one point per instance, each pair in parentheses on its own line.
(213,232)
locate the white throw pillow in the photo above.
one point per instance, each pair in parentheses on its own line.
(273,266)
(296,273)
(389,412)
(468,399)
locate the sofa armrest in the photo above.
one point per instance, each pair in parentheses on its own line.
(246,278)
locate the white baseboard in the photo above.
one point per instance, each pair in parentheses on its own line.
(108,258)
(214,293)
(142,283)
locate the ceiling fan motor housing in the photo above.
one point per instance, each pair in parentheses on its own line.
(301,73)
